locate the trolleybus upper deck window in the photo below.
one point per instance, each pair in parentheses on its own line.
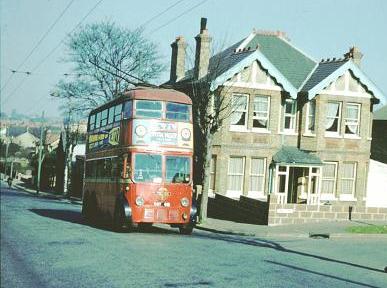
(179,112)
(150,109)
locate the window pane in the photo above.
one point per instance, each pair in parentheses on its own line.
(235,174)
(261,111)
(92,122)
(117,112)
(128,109)
(178,112)
(104,117)
(111,115)
(98,120)
(178,169)
(147,168)
(332,117)
(150,109)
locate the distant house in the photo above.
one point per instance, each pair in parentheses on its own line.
(299,132)
(26,140)
(379,136)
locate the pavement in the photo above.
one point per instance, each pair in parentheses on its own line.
(334,229)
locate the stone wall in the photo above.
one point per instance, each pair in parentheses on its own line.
(280,214)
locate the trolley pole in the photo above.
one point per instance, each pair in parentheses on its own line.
(40,160)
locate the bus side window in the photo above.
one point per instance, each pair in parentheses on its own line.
(117,112)
(128,110)
(92,122)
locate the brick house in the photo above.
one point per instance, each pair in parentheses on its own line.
(300,130)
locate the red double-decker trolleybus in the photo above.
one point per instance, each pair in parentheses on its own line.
(138,168)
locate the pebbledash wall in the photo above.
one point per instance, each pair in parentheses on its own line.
(279,214)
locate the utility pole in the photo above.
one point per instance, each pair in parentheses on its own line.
(6,152)
(40,159)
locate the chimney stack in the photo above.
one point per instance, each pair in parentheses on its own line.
(202,55)
(178,59)
(355,54)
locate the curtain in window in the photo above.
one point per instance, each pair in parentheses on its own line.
(312,111)
(257,175)
(235,174)
(239,104)
(261,107)
(328,179)
(352,118)
(332,112)
(348,178)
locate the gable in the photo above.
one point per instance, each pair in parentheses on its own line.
(347,85)
(254,76)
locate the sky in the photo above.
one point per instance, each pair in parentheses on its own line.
(320,28)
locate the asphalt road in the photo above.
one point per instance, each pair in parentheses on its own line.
(45,243)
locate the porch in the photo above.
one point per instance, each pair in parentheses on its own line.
(295,177)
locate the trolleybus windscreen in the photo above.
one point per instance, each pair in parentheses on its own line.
(147,168)
(177,169)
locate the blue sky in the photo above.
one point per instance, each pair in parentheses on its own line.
(322,29)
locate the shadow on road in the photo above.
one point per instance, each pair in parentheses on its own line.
(77,218)
(264,243)
(320,274)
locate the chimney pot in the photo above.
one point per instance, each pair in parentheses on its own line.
(203,24)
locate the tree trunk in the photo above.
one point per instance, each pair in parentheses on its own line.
(206,179)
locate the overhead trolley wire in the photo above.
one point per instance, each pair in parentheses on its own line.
(39,42)
(52,51)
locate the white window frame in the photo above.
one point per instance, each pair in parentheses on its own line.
(236,193)
(244,126)
(292,115)
(212,175)
(357,119)
(338,132)
(257,193)
(308,119)
(349,197)
(267,117)
(329,196)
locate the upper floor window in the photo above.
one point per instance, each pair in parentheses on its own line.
(310,118)
(239,114)
(150,109)
(352,119)
(179,112)
(333,118)
(289,115)
(261,112)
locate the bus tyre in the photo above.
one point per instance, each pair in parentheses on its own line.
(186,229)
(119,218)
(86,209)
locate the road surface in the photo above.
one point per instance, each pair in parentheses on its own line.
(46,243)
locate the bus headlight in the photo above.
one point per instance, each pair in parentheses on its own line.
(184,202)
(139,201)
(140,131)
(186,134)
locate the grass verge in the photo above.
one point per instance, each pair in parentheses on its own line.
(371,229)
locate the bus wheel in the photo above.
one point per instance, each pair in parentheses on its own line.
(186,229)
(86,209)
(118,218)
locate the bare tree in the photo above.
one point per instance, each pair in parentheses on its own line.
(211,107)
(107,60)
